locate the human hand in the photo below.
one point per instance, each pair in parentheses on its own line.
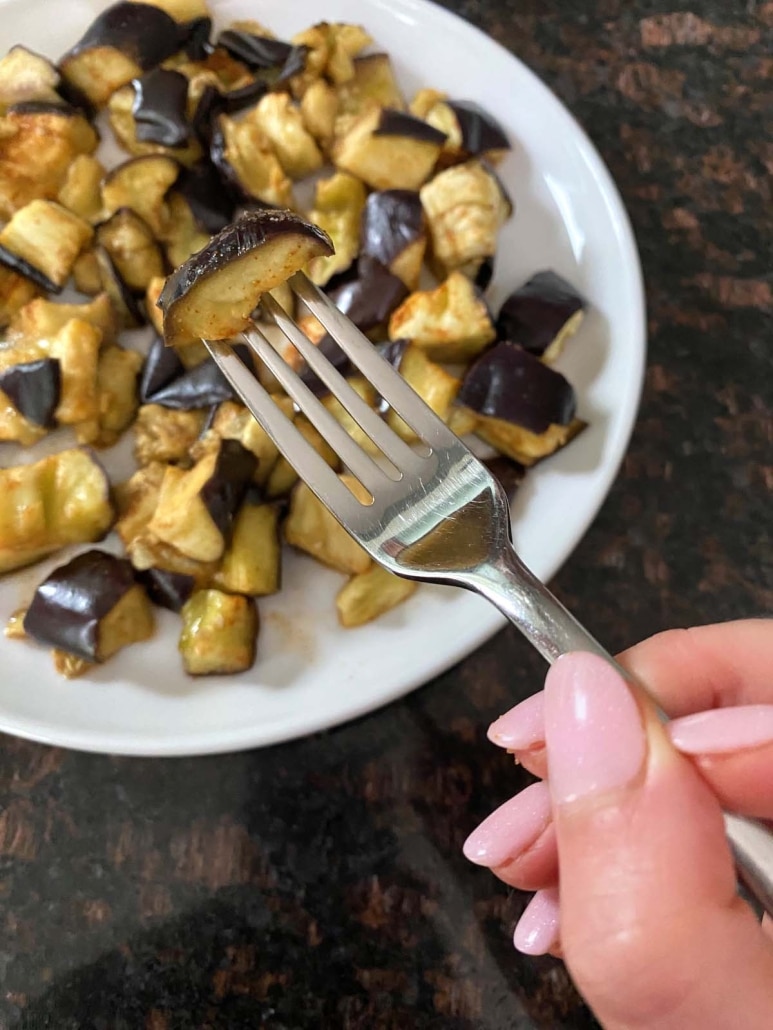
(624,841)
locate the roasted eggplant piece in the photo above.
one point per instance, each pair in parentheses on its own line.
(201,188)
(370,299)
(232,421)
(47,238)
(466,207)
(252,564)
(196,508)
(319,109)
(160,108)
(130,134)
(152,310)
(276,61)
(162,367)
(394,233)
(371,594)
(331,49)
(42,319)
(245,158)
(34,389)
(142,184)
(166,589)
(219,634)
(510,384)
(63,499)
(81,190)
(436,387)
(26,76)
(121,43)
(86,276)
(132,247)
(338,207)
(389,149)
(167,381)
(16,290)
(92,607)
(214,293)
(542,315)
(522,446)
(311,528)
(161,434)
(282,123)
(451,323)
(76,347)
(117,373)
(471,131)
(373,85)
(124,302)
(37,144)
(183,238)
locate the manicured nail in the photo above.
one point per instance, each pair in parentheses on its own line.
(522,727)
(593,728)
(511,829)
(538,927)
(723,730)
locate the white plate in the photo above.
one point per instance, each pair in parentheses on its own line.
(310,673)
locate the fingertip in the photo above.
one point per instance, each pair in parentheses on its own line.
(537,932)
(522,727)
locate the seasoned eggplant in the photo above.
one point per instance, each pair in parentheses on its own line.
(42,319)
(451,323)
(389,149)
(436,387)
(26,76)
(370,299)
(471,131)
(162,434)
(338,207)
(371,594)
(120,110)
(252,564)
(132,247)
(92,607)
(264,54)
(76,347)
(63,499)
(373,84)
(48,238)
(142,185)
(34,389)
(331,50)
(319,109)
(152,310)
(15,291)
(160,108)
(183,238)
(232,421)
(37,144)
(219,634)
(126,305)
(509,384)
(122,42)
(196,508)
(466,207)
(86,276)
(162,366)
(282,122)
(167,589)
(81,190)
(117,373)
(214,293)
(523,446)
(137,500)
(245,158)
(311,528)
(394,232)
(542,315)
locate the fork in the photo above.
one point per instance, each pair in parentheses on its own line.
(436,512)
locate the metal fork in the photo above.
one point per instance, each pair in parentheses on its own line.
(437,514)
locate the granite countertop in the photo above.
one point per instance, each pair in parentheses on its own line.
(321,884)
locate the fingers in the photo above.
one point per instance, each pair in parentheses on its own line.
(651,926)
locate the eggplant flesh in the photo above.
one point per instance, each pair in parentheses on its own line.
(21,267)
(219,634)
(159,109)
(510,384)
(34,388)
(541,313)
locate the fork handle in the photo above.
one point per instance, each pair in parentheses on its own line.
(554,631)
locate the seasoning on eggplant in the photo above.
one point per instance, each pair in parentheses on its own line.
(142,184)
(233,421)
(162,434)
(126,305)
(282,122)
(331,49)
(389,149)
(252,563)
(372,85)
(183,237)
(219,634)
(319,109)
(122,42)
(167,589)
(42,319)
(76,347)
(92,607)
(160,106)
(450,323)
(244,157)
(62,499)
(34,389)
(81,189)
(37,144)
(338,207)
(27,76)
(509,384)
(47,237)
(466,208)
(132,247)
(542,315)
(311,528)
(15,291)
(371,594)
(394,232)
(214,293)
(117,373)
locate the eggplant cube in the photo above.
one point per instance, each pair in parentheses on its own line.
(34,389)
(244,156)
(48,237)
(42,319)
(450,323)
(162,434)
(117,373)
(319,108)
(213,295)
(132,247)
(26,76)
(389,150)
(76,347)
(311,528)
(371,594)
(219,634)
(523,446)
(80,192)
(15,291)
(252,564)
(142,184)
(120,111)
(282,122)
(542,315)
(373,84)
(338,208)
(433,384)
(91,608)
(394,233)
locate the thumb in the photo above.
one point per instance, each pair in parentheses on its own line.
(652,928)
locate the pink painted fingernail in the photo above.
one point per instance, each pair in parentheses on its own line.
(522,727)
(723,730)
(593,728)
(538,928)
(511,829)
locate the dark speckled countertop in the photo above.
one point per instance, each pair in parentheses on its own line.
(321,884)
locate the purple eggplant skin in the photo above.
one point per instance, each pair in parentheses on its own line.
(398,123)
(225,490)
(194,38)
(260,53)
(45,107)
(34,389)
(69,605)
(392,220)
(481,132)
(159,109)
(371,298)
(22,267)
(509,383)
(161,367)
(202,386)
(124,301)
(510,473)
(212,103)
(536,313)
(210,204)
(168,590)
(144,33)
(484,274)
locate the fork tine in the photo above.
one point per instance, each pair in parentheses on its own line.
(388,442)
(310,466)
(359,349)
